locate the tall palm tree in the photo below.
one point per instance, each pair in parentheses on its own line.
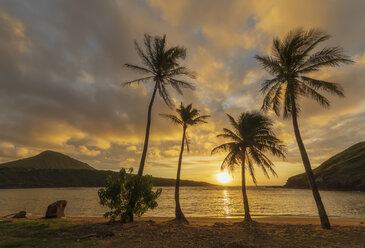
(250,139)
(292,58)
(161,66)
(186,116)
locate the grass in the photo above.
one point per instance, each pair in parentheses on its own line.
(44,233)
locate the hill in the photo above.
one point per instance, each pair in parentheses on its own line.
(48,160)
(55,170)
(343,171)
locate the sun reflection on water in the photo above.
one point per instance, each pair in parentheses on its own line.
(226,204)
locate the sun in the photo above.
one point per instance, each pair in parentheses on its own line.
(224,177)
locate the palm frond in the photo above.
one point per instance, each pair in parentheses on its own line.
(329,87)
(144,57)
(329,56)
(152,52)
(230,161)
(200,119)
(223,147)
(138,68)
(268,99)
(269,64)
(175,53)
(259,161)
(139,80)
(181,70)
(276,100)
(265,86)
(176,87)
(233,122)
(173,118)
(263,161)
(308,91)
(230,134)
(180,84)
(164,95)
(310,40)
(277,49)
(251,168)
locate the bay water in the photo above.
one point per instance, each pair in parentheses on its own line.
(225,202)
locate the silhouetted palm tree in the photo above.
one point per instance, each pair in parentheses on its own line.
(186,116)
(250,139)
(292,58)
(162,67)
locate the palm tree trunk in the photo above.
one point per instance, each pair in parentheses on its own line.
(145,146)
(132,202)
(179,216)
(244,193)
(308,169)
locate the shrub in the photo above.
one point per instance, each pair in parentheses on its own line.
(128,195)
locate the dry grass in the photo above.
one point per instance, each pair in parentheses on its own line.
(202,232)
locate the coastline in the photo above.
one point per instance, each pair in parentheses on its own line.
(276,220)
(199,221)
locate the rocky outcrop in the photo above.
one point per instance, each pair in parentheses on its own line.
(344,171)
(20,215)
(56,209)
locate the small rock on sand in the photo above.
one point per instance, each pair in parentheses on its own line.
(19,215)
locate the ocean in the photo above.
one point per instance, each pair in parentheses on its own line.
(225,202)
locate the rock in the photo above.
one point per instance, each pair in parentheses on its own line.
(56,209)
(21,214)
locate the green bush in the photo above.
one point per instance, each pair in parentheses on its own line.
(128,195)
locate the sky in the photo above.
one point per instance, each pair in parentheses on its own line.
(61,69)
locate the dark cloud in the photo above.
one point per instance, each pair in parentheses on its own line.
(61,73)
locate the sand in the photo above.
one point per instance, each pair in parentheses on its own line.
(229,232)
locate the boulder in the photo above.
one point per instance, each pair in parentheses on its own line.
(56,209)
(19,215)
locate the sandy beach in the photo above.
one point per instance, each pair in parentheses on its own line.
(223,232)
(277,220)
(201,232)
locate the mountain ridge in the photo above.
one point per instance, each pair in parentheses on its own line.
(48,160)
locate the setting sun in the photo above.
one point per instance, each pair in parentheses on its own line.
(224,177)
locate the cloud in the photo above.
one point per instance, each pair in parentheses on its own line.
(61,73)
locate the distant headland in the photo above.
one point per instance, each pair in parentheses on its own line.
(343,171)
(51,169)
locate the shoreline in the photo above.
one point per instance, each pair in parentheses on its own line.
(276,220)
(207,221)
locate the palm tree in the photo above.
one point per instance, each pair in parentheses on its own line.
(186,116)
(292,58)
(250,139)
(161,67)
